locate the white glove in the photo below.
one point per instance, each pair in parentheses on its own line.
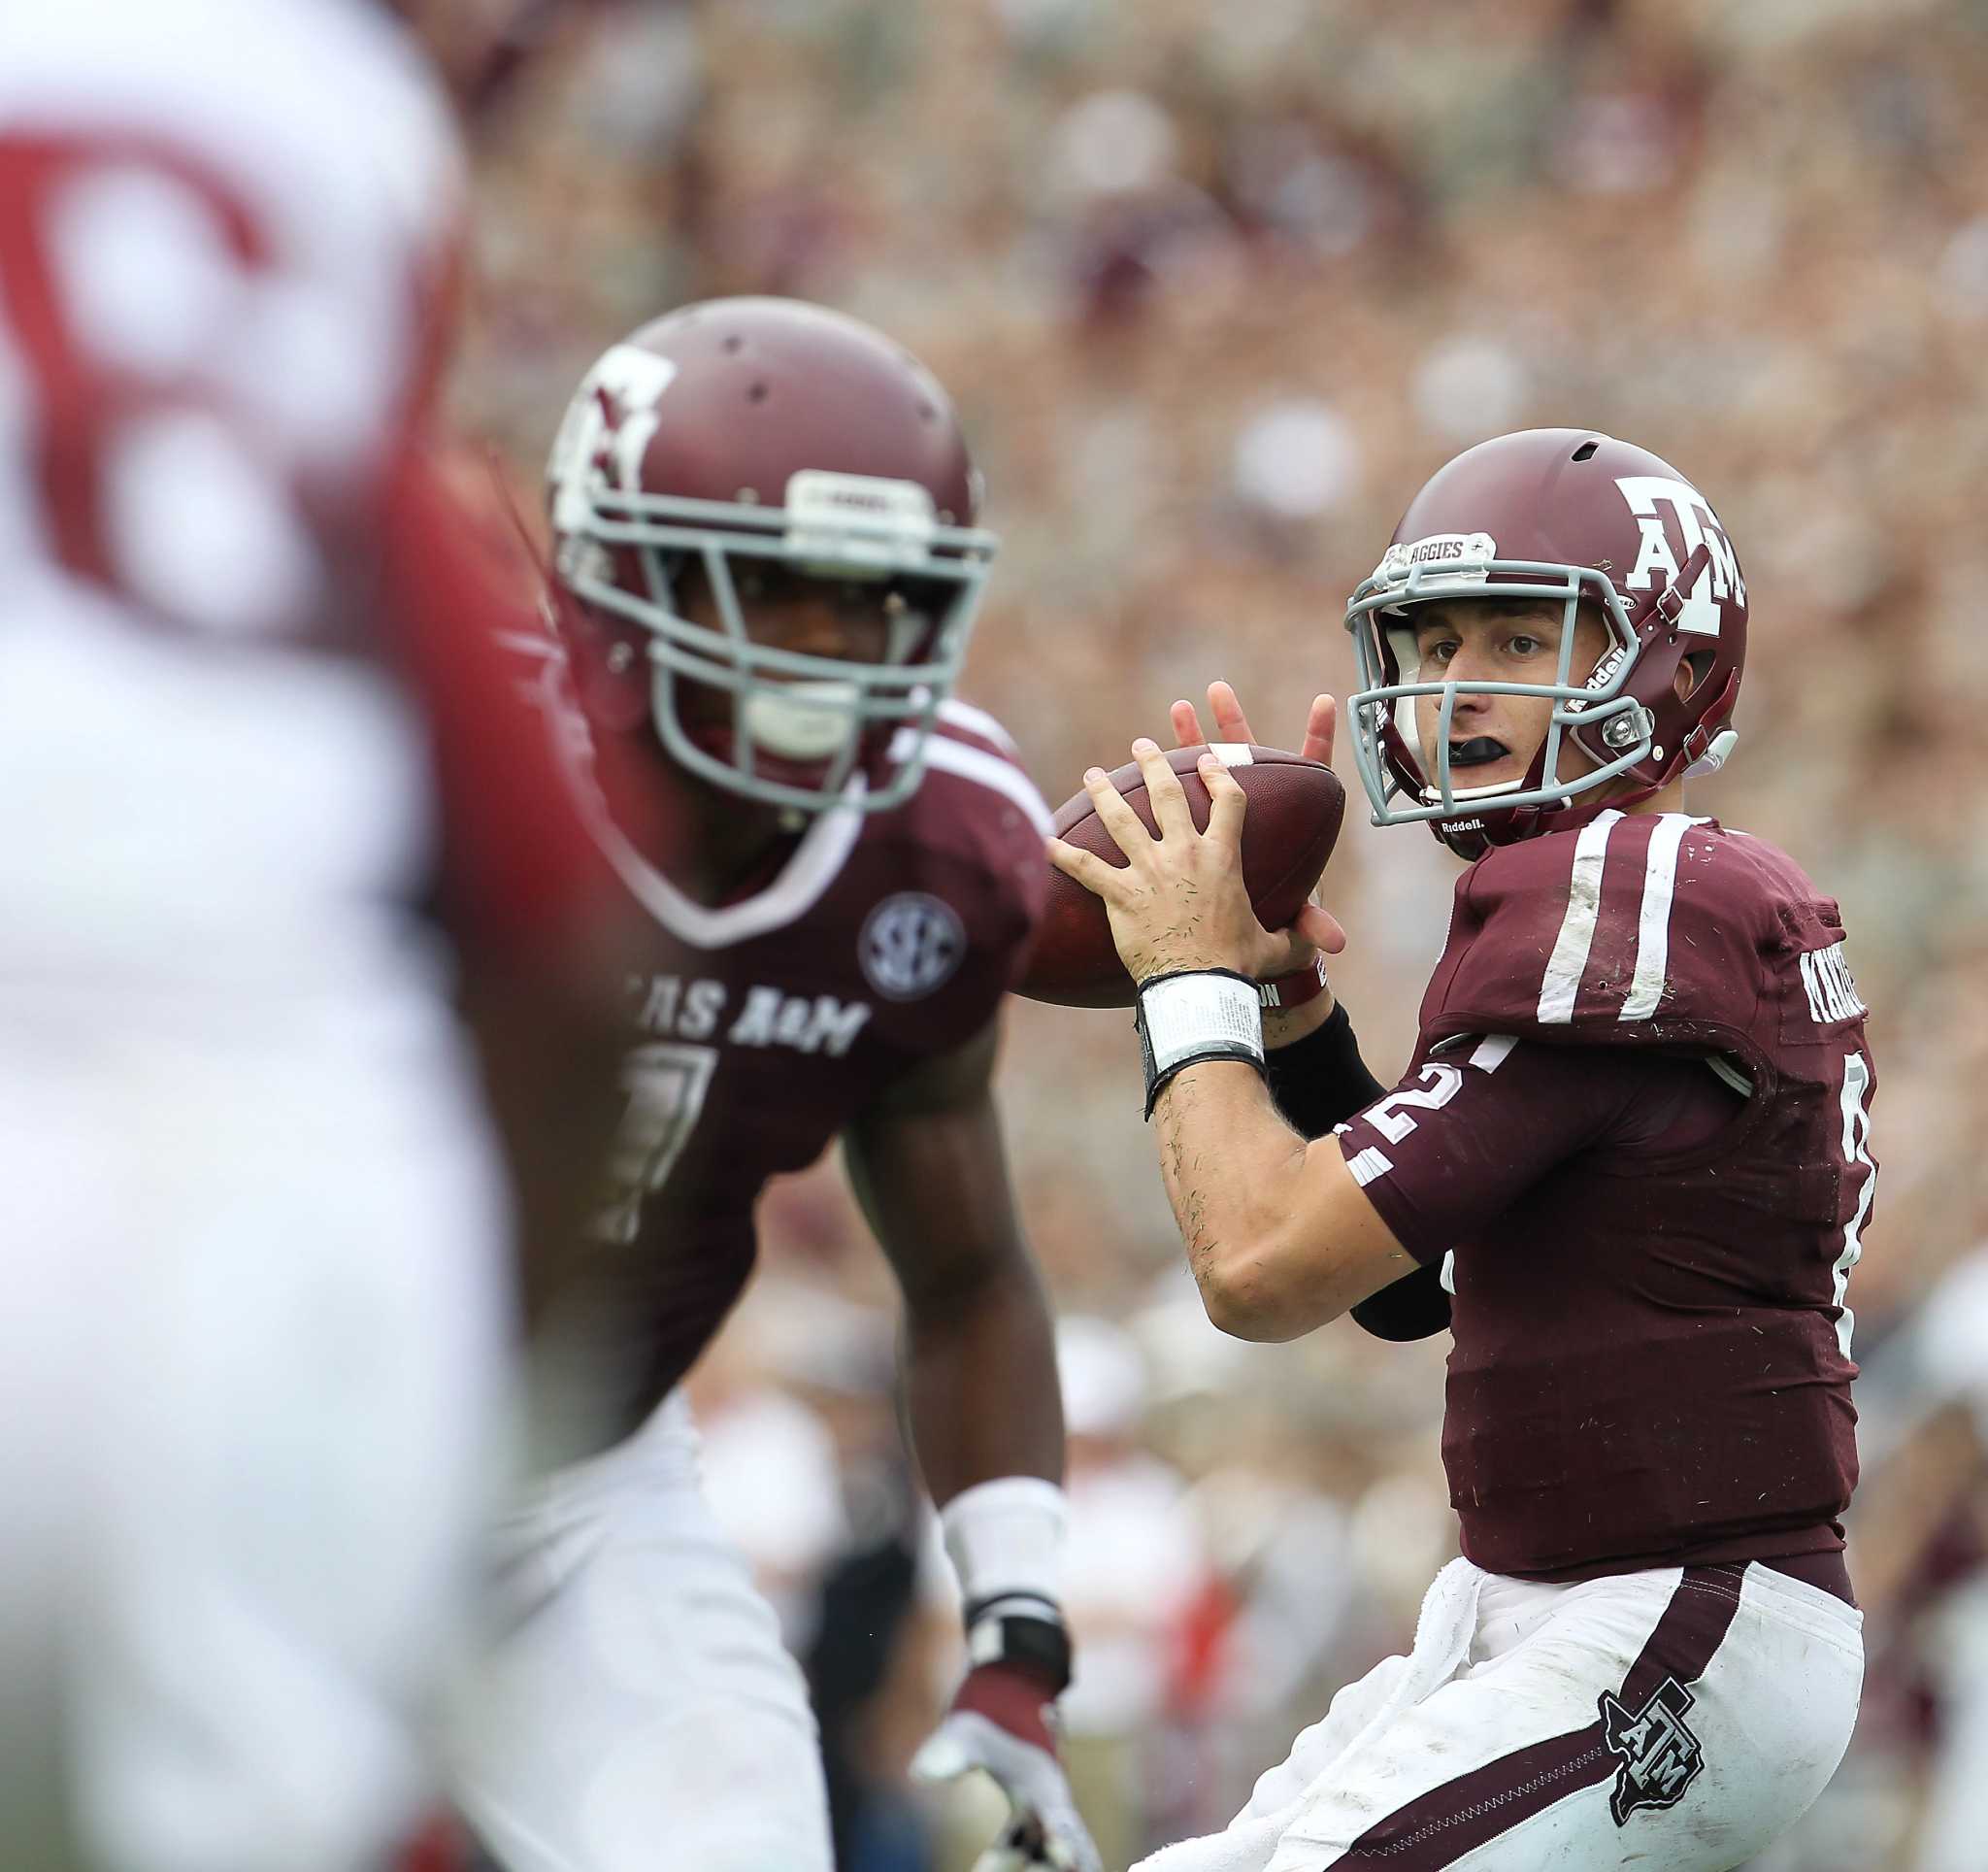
(1000,1722)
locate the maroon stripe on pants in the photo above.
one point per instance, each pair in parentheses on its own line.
(1437,1829)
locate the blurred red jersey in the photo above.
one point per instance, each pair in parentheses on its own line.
(1652,1341)
(253,734)
(248,698)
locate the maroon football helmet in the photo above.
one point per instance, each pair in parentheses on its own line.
(1572,516)
(743,431)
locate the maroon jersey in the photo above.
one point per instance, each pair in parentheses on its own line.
(1639,1118)
(763,1027)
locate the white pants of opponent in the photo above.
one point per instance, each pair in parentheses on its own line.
(637,1711)
(251,1361)
(1668,1720)
(1678,1719)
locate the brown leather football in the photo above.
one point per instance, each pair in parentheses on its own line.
(1288,832)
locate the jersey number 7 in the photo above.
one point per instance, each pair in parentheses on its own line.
(667,1083)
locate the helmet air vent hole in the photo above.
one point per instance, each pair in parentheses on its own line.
(756,394)
(926,412)
(734,344)
(1586,451)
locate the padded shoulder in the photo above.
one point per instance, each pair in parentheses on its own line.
(966,849)
(1632,929)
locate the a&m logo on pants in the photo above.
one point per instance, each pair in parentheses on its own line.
(1660,1755)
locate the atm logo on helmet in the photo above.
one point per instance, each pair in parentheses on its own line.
(1695,522)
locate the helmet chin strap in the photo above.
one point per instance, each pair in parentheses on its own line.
(1715,755)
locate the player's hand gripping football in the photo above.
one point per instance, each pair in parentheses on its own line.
(1279,1025)
(1000,1722)
(1179,902)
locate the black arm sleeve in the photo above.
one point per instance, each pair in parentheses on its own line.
(1318,1082)
(1322,1080)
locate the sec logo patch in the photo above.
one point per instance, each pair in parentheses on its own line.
(910,944)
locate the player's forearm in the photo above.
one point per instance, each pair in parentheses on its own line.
(547,1052)
(981,1385)
(1242,1185)
(1318,1080)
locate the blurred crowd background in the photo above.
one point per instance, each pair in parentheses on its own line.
(1216,285)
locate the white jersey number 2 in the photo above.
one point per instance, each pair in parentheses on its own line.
(1439,1085)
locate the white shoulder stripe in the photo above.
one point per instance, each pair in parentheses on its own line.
(976,764)
(1653,920)
(1570,957)
(1492,1052)
(963,715)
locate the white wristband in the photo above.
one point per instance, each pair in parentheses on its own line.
(1190,1014)
(1204,1013)
(1005,1538)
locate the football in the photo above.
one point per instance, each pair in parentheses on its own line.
(1288,832)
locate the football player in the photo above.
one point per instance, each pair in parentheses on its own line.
(767,567)
(1628,1167)
(271,808)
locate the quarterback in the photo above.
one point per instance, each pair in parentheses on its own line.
(766,570)
(1628,1168)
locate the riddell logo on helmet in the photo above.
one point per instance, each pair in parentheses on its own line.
(1605,671)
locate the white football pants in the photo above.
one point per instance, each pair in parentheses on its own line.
(637,1711)
(252,1354)
(1675,1717)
